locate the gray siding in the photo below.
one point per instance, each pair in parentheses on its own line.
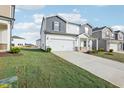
(97,34)
(53,19)
(82,29)
(101,42)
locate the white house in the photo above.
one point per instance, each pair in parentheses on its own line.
(6,24)
(62,35)
(38,41)
(18,41)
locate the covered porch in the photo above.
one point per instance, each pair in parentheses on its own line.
(4,46)
(84,43)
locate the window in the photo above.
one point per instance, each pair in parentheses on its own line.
(120,36)
(86,30)
(107,33)
(85,43)
(116,36)
(55,26)
(112,35)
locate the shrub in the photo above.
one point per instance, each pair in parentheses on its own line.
(4,85)
(111,50)
(15,50)
(42,50)
(89,52)
(48,50)
(101,50)
(94,51)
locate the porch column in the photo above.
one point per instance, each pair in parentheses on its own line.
(78,44)
(122,46)
(87,43)
(8,38)
(90,43)
(96,44)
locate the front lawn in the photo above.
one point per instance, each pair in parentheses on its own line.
(39,69)
(115,56)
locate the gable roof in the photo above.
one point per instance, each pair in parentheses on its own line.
(67,21)
(17,37)
(88,25)
(101,28)
(58,17)
(38,39)
(118,31)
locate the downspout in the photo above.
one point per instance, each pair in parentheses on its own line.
(45,33)
(12,23)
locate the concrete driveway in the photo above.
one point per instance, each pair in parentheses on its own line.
(120,52)
(106,69)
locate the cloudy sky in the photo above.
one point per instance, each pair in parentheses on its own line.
(28,18)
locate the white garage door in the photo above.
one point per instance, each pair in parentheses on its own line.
(114,47)
(61,45)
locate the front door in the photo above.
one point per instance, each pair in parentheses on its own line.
(83,45)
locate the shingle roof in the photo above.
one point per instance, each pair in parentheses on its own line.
(38,39)
(17,37)
(64,19)
(118,31)
(99,28)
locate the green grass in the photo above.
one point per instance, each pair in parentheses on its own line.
(39,69)
(114,56)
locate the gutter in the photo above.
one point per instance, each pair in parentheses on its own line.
(6,18)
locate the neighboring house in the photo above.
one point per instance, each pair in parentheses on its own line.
(38,43)
(119,35)
(6,24)
(62,35)
(32,46)
(18,41)
(108,39)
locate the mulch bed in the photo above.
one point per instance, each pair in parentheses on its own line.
(5,54)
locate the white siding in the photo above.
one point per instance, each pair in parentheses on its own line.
(38,44)
(72,29)
(16,42)
(43,40)
(120,34)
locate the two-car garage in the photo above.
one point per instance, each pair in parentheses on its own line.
(116,46)
(113,46)
(60,42)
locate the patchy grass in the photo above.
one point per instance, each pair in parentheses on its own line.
(40,69)
(114,56)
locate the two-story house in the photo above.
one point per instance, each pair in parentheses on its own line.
(108,39)
(62,35)
(6,25)
(119,36)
